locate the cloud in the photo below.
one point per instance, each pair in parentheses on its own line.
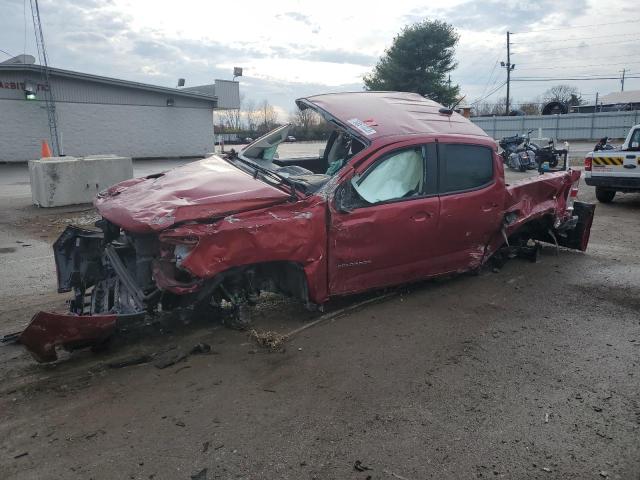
(296,16)
(519,15)
(340,56)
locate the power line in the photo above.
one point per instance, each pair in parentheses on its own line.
(585,75)
(489,78)
(556,40)
(578,79)
(635,55)
(6,53)
(635,40)
(564,66)
(489,94)
(635,20)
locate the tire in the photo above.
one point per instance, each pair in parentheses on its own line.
(605,196)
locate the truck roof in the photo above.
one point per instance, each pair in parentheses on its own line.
(380,114)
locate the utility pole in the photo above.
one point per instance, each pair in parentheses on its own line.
(622,80)
(509,67)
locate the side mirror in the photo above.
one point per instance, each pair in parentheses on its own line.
(343,198)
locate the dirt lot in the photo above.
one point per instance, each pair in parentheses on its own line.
(529,372)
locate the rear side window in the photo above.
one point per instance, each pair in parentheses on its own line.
(464,167)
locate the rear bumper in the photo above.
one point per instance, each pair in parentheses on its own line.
(621,184)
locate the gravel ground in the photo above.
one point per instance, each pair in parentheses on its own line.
(531,372)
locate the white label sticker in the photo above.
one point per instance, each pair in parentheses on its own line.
(363,127)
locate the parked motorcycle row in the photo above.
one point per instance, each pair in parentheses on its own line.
(521,154)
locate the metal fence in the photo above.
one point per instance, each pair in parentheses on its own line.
(573,126)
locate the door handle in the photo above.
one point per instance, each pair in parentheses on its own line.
(491,206)
(421,216)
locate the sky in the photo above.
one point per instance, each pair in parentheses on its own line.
(293,48)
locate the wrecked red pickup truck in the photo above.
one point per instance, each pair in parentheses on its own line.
(404,190)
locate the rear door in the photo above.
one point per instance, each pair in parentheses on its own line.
(387,232)
(471,189)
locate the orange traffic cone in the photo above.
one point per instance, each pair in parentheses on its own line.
(45,151)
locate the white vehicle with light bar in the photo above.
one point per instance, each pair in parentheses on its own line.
(612,171)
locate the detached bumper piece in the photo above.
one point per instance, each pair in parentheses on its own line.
(46,331)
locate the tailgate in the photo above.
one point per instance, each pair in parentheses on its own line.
(615,164)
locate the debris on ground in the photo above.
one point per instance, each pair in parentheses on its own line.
(200,348)
(130,361)
(270,340)
(168,359)
(11,338)
(172,357)
(164,358)
(201,475)
(360,467)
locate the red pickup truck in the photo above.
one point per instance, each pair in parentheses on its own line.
(405,190)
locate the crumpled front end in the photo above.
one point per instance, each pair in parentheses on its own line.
(118,276)
(110,275)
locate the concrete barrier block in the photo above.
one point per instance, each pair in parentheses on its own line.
(59,181)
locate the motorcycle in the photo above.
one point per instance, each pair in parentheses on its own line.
(548,157)
(603,144)
(518,153)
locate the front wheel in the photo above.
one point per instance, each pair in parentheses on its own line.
(605,196)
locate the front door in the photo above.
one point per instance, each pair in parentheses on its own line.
(385,233)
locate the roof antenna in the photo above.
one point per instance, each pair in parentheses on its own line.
(449,110)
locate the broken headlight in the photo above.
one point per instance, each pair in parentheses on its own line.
(182,246)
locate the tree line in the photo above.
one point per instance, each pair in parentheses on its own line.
(567,94)
(254,119)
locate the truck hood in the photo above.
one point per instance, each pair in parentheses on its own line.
(204,189)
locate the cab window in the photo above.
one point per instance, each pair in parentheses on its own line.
(464,167)
(634,144)
(398,176)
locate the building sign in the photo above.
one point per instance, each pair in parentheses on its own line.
(20,86)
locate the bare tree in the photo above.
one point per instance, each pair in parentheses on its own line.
(251,115)
(566,94)
(304,121)
(482,109)
(497,108)
(268,115)
(231,119)
(530,108)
